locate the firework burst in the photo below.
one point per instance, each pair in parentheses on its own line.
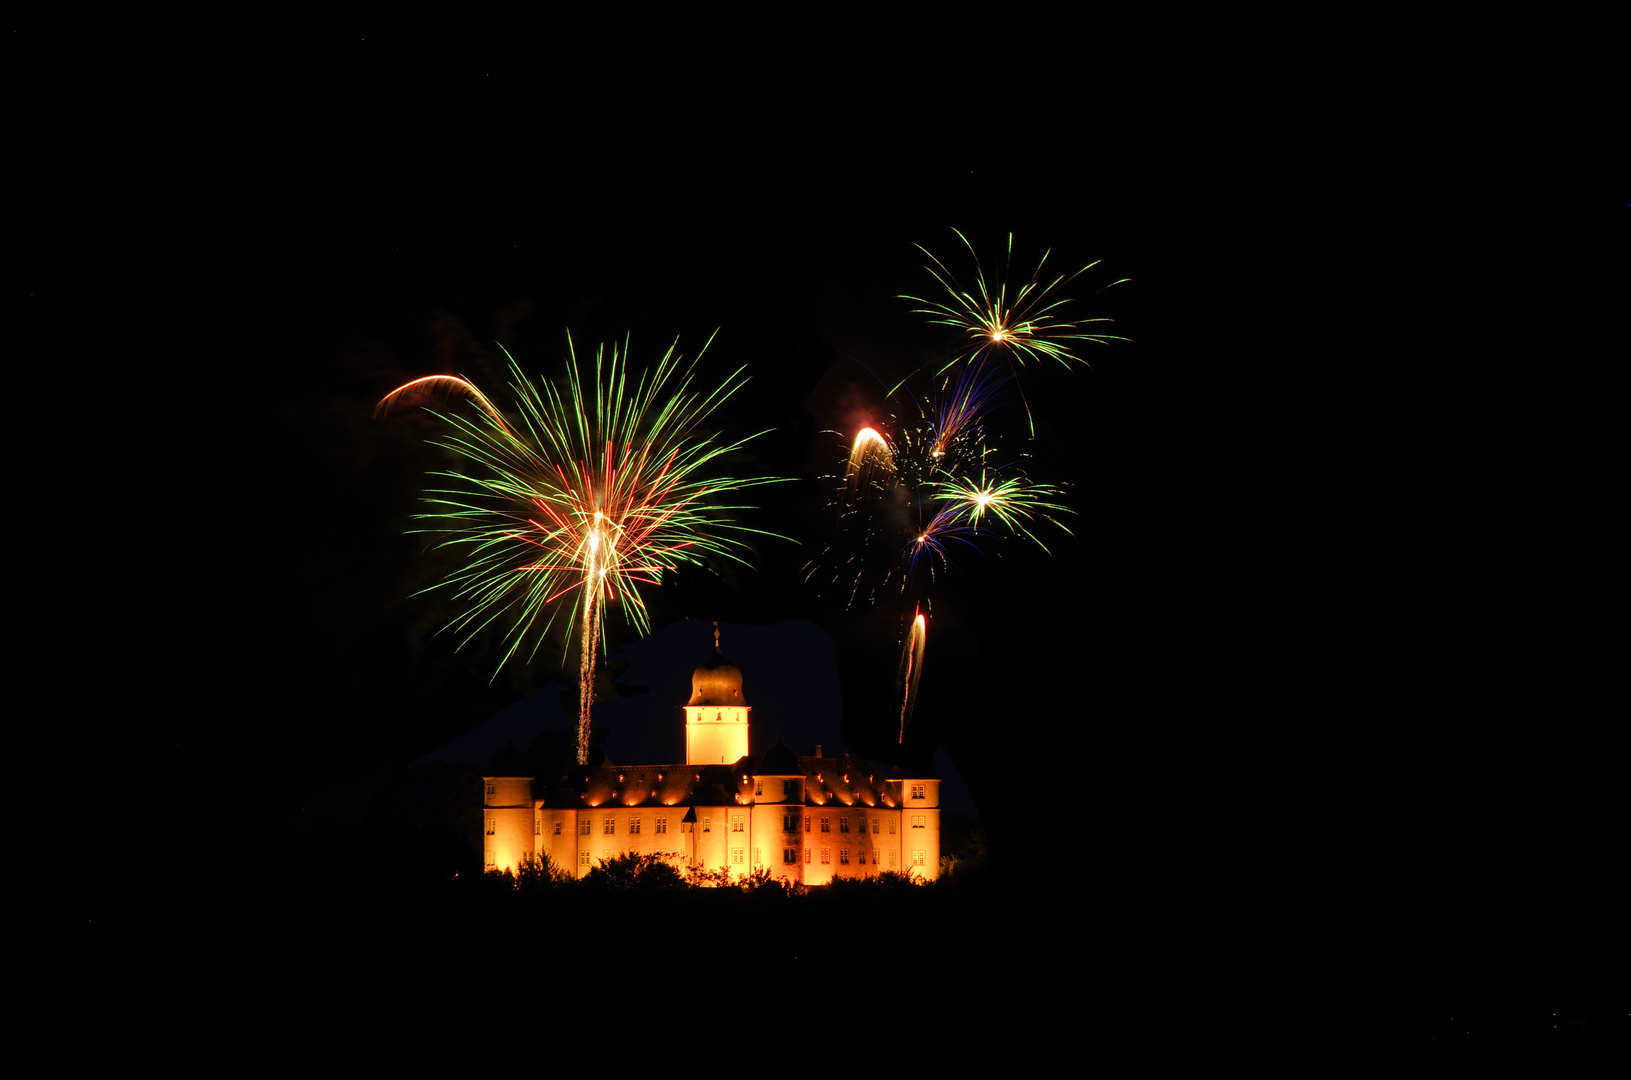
(1024,323)
(590,490)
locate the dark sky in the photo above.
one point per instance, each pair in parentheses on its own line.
(1339,507)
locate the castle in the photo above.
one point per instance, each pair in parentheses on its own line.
(805,818)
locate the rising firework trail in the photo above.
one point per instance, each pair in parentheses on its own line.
(591,488)
(910,672)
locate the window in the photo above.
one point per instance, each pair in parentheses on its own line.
(492,827)
(758,787)
(758,856)
(557,826)
(583,857)
(790,823)
(806,822)
(917,821)
(583,827)
(790,855)
(860,856)
(826,825)
(492,789)
(806,856)
(875,824)
(610,828)
(843,857)
(662,824)
(843,824)
(917,791)
(891,826)
(537,826)
(707,824)
(917,857)
(736,856)
(891,859)
(736,823)
(605,854)
(491,859)
(634,826)
(826,856)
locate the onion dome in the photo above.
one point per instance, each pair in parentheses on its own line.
(716,681)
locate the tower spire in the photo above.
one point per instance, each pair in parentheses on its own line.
(716,636)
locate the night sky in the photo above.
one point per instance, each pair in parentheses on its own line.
(1309,670)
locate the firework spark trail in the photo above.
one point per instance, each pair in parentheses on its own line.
(869,449)
(962,403)
(603,479)
(910,672)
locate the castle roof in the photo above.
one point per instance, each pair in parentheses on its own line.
(509,762)
(779,762)
(830,781)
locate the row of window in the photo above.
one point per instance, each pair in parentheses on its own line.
(789,824)
(789,855)
(758,789)
(860,825)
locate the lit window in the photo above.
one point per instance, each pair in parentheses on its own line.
(492,827)
(806,855)
(843,857)
(610,828)
(806,822)
(917,857)
(917,791)
(826,825)
(826,855)
(736,824)
(537,827)
(583,827)
(891,858)
(662,824)
(875,824)
(843,824)
(583,857)
(634,826)
(891,826)
(736,856)
(758,856)
(917,821)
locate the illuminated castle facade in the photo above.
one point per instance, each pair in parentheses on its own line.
(806,819)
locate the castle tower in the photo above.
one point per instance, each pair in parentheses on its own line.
(778,815)
(716,717)
(508,822)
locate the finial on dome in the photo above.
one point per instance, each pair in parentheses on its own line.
(716,635)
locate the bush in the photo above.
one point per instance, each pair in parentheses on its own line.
(631,872)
